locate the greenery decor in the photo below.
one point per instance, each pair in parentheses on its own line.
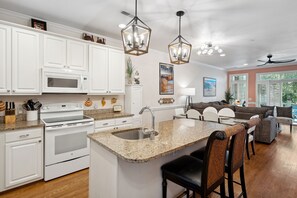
(228,96)
(130,68)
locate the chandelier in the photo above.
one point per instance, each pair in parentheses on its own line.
(179,49)
(136,36)
(209,49)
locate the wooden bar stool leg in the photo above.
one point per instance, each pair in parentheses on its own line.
(242,181)
(164,188)
(222,189)
(230,185)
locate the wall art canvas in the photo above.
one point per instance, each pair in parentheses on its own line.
(209,87)
(166,79)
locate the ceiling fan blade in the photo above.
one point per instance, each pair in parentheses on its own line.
(262,61)
(262,64)
(284,61)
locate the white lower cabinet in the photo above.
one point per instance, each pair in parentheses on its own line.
(113,124)
(23,157)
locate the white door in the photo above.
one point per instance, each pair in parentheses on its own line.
(98,70)
(76,55)
(5,59)
(54,52)
(25,62)
(23,161)
(275,93)
(116,60)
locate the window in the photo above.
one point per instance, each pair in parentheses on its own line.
(277,88)
(239,87)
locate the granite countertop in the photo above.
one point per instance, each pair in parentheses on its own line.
(110,115)
(173,135)
(20,125)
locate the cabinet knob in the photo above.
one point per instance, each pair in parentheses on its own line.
(13,91)
(8,91)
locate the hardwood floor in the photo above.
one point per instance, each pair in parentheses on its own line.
(271,173)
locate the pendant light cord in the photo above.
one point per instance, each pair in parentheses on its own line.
(136,8)
(179,29)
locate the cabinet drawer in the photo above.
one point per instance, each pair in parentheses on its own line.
(120,121)
(23,134)
(104,123)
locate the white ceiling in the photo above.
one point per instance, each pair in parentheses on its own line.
(247,30)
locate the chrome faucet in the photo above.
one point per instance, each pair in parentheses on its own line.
(152,132)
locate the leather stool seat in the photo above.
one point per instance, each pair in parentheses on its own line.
(186,169)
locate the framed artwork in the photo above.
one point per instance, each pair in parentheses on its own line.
(209,87)
(37,24)
(166,79)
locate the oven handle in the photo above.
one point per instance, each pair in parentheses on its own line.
(67,126)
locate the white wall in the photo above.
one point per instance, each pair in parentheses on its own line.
(186,75)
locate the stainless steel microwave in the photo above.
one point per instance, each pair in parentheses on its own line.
(64,81)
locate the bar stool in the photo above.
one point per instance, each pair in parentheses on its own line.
(196,175)
(234,157)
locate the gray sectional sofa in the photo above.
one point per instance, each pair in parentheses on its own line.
(266,131)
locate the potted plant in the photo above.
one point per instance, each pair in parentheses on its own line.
(228,96)
(129,70)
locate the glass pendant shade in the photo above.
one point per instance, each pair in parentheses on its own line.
(179,49)
(136,36)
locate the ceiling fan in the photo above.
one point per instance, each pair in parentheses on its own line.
(269,56)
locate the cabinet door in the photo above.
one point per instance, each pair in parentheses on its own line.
(5,59)
(54,52)
(76,55)
(116,72)
(98,70)
(25,62)
(136,99)
(23,161)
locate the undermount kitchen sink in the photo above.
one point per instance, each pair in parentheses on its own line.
(134,134)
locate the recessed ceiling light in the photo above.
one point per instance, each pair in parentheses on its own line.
(222,54)
(122,25)
(245,64)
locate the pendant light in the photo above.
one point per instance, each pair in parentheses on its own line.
(136,36)
(179,49)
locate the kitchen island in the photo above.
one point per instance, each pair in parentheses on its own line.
(121,168)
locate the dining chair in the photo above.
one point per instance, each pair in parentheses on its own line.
(193,114)
(226,112)
(212,109)
(210,116)
(234,157)
(250,135)
(199,176)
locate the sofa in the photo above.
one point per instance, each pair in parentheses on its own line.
(266,131)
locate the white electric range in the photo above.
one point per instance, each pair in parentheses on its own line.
(67,146)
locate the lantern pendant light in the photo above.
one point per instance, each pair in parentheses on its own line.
(179,49)
(136,36)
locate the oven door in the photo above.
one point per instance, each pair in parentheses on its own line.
(67,142)
(64,82)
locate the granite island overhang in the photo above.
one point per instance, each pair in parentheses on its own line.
(122,168)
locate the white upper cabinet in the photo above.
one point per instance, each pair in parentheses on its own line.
(25,62)
(76,55)
(5,59)
(98,69)
(107,70)
(116,71)
(54,51)
(63,53)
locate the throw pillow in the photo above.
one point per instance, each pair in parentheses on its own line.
(284,112)
(270,108)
